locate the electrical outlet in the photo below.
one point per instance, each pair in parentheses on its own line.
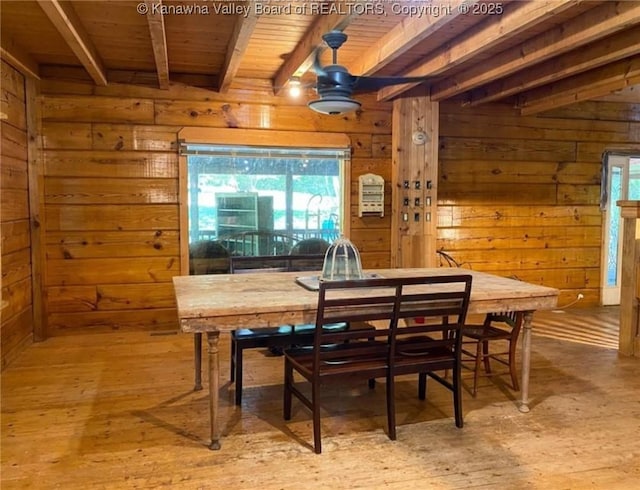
(580,295)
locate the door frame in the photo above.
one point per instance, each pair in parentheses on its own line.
(610,295)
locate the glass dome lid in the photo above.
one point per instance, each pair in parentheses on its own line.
(341,261)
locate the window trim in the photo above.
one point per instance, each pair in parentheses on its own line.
(255,137)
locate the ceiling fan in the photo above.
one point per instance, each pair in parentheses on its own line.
(336,85)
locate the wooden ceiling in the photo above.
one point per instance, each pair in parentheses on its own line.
(535,54)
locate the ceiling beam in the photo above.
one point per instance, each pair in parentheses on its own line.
(518,17)
(66,21)
(17,57)
(586,86)
(155,20)
(609,50)
(301,58)
(594,24)
(236,48)
(404,36)
(629,95)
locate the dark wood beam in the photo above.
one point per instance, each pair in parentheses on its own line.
(594,24)
(586,86)
(404,36)
(487,35)
(603,52)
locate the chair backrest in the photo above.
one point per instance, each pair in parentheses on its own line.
(310,246)
(446,259)
(433,317)
(441,301)
(258,243)
(275,263)
(314,249)
(208,257)
(511,319)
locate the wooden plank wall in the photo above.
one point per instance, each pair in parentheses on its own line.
(111,192)
(519,196)
(17,304)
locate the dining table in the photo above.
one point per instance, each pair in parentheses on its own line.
(219,303)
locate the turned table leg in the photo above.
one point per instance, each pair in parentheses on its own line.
(197,361)
(526,360)
(214,383)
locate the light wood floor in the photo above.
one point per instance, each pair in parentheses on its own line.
(118,411)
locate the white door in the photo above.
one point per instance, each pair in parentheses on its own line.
(623,182)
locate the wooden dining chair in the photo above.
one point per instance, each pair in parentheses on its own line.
(267,337)
(343,353)
(278,337)
(305,255)
(433,346)
(393,350)
(247,337)
(498,328)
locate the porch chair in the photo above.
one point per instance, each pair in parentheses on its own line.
(208,257)
(258,242)
(394,350)
(503,327)
(310,246)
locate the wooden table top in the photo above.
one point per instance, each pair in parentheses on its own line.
(228,301)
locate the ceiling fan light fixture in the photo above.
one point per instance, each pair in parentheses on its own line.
(334,105)
(295,87)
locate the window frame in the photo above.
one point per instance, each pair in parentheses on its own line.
(259,138)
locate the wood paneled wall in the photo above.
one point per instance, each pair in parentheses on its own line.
(519,196)
(111,192)
(17,304)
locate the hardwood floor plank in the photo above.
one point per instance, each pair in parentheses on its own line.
(117,410)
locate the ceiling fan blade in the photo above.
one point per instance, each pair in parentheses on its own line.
(370,84)
(317,67)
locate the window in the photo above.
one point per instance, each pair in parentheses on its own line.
(236,189)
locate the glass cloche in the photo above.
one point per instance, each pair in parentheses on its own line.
(342,261)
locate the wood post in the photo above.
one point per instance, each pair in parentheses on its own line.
(36,207)
(414,182)
(629,337)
